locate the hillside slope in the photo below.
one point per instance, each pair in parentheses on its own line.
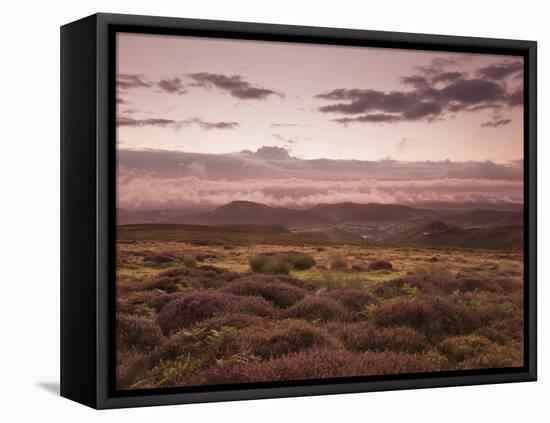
(439,234)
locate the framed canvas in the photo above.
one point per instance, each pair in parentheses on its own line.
(256,211)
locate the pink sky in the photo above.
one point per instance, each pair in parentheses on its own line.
(287,110)
(206,121)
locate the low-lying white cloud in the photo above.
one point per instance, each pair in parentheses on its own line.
(150,192)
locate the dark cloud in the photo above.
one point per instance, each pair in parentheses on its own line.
(502,70)
(235,85)
(285,125)
(434,94)
(486,170)
(126,121)
(496,123)
(447,77)
(271,153)
(374,118)
(250,164)
(172,86)
(515,98)
(437,65)
(418,81)
(424,110)
(126,81)
(207,126)
(288,140)
(473,91)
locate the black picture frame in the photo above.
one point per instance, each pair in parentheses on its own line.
(88,165)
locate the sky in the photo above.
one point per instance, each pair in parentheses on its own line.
(280,122)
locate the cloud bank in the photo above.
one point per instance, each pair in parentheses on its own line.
(160,179)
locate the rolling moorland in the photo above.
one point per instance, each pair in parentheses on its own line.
(248,293)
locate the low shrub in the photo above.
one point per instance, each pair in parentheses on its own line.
(136,333)
(129,371)
(298,261)
(158,301)
(460,348)
(400,287)
(315,308)
(510,355)
(315,363)
(433,316)
(176,357)
(338,261)
(354,299)
(160,258)
(270,265)
(175,279)
(498,286)
(509,330)
(307,284)
(201,305)
(500,310)
(189,261)
(359,268)
(234,320)
(280,294)
(477,352)
(331,280)
(275,340)
(438,275)
(379,265)
(145,302)
(281,263)
(363,337)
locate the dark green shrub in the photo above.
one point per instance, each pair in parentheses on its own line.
(298,261)
(271,265)
(189,261)
(338,261)
(160,258)
(281,263)
(437,275)
(379,265)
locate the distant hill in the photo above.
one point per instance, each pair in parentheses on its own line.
(226,235)
(331,233)
(354,212)
(469,205)
(440,234)
(480,217)
(323,217)
(130,217)
(256,213)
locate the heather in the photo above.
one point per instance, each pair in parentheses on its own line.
(192,312)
